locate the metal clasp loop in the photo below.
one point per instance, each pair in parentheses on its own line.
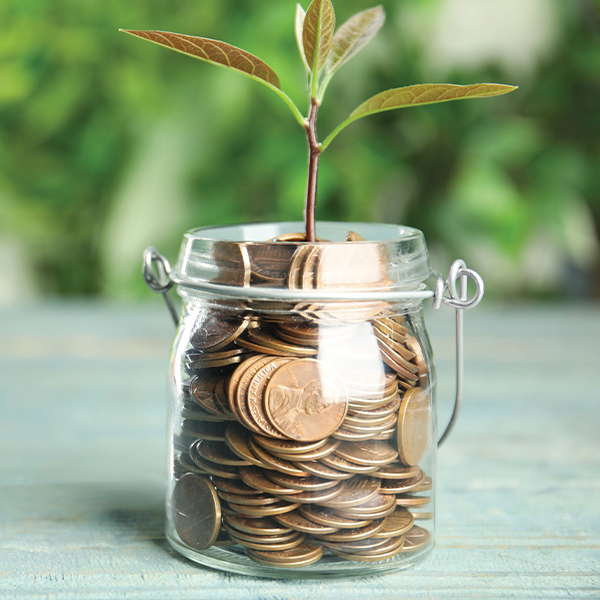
(160,280)
(458,300)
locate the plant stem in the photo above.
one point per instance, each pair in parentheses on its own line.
(314,154)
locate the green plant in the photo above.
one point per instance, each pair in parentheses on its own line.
(323,51)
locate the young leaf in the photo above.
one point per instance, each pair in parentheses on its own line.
(414,95)
(317,35)
(222,54)
(300,16)
(354,35)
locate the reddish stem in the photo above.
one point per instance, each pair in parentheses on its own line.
(314,154)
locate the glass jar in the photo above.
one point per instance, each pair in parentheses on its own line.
(303,429)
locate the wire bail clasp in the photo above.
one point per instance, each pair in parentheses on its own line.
(159,280)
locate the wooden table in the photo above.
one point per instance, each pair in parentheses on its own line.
(83,447)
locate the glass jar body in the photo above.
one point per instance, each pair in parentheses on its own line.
(302,436)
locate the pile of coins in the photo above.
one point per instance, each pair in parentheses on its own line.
(301,434)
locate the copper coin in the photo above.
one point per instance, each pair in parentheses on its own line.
(223,539)
(352,535)
(424,486)
(352,236)
(225,471)
(294,274)
(341,464)
(366,427)
(367,453)
(423,369)
(213,363)
(188,465)
(398,523)
(413,426)
(261,526)
(250,345)
(358,546)
(257,500)
(374,421)
(234,486)
(318,469)
(241,396)
(288,446)
(296,521)
(270,262)
(422,516)
(399,359)
(274,463)
(289,237)
(388,545)
(318,496)
(262,511)
(402,372)
(300,483)
(415,539)
(266,340)
(194,357)
(234,381)
(325,450)
(392,344)
(263,539)
(323,516)
(396,324)
(232,263)
(218,452)
(203,430)
(290,564)
(198,414)
(255,478)
(221,399)
(397,470)
(216,329)
(270,546)
(410,501)
(383,552)
(196,511)
(307,276)
(237,439)
(304,551)
(203,398)
(401,486)
(384,410)
(376,508)
(343,435)
(306,400)
(355,491)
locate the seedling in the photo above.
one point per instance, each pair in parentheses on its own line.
(323,51)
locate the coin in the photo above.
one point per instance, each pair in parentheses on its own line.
(269,546)
(234,486)
(351,535)
(263,539)
(354,491)
(218,452)
(367,453)
(341,464)
(275,463)
(234,381)
(327,517)
(240,400)
(262,511)
(369,421)
(306,400)
(288,446)
(366,427)
(423,370)
(304,551)
(197,414)
(413,426)
(409,500)
(196,511)
(224,471)
(396,470)
(237,439)
(400,486)
(318,496)
(422,516)
(397,523)
(325,450)
(261,526)
(343,435)
(358,546)
(352,236)
(392,362)
(200,429)
(270,342)
(296,521)
(256,479)
(214,330)
(255,500)
(376,508)
(318,469)
(294,273)
(186,463)
(424,486)
(288,563)
(415,539)
(383,552)
(300,483)
(389,342)
(209,363)
(223,539)
(270,262)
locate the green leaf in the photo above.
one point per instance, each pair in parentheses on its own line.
(300,16)
(354,35)
(221,54)
(415,95)
(317,36)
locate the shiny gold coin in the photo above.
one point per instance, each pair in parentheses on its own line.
(271,546)
(401,486)
(287,446)
(422,516)
(367,453)
(318,469)
(234,486)
(305,551)
(274,463)
(218,452)
(413,426)
(416,539)
(296,564)
(410,501)
(352,535)
(297,522)
(341,464)
(266,340)
(257,500)
(398,523)
(383,552)
(354,491)
(234,381)
(376,508)
(237,439)
(397,470)
(300,483)
(330,518)
(262,511)
(196,511)
(255,478)
(306,400)
(260,526)
(325,450)
(318,496)
(263,539)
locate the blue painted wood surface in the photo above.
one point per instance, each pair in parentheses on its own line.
(83,447)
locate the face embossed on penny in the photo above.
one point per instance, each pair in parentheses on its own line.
(306,400)
(413,426)
(196,511)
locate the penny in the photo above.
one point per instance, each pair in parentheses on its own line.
(351,535)
(261,337)
(270,546)
(262,511)
(358,546)
(234,486)
(188,465)
(270,262)
(323,516)
(249,345)
(221,399)
(262,526)
(232,263)
(212,363)
(318,469)
(402,372)
(369,421)
(423,369)
(193,357)
(341,464)
(196,511)
(199,429)
(318,496)
(288,446)
(306,400)
(396,470)
(289,237)
(325,450)
(263,539)
(388,545)
(183,441)
(424,486)
(391,549)
(304,551)
(397,523)
(413,426)
(237,439)
(354,491)
(408,500)
(294,273)
(216,330)
(256,479)
(198,414)
(307,276)
(234,381)
(376,508)
(343,435)
(218,452)
(223,539)
(241,396)
(422,516)
(204,399)
(225,471)
(415,539)
(366,427)
(300,483)
(352,236)
(367,453)
(295,564)
(297,522)
(394,345)
(256,500)
(401,486)
(396,324)
(274,463)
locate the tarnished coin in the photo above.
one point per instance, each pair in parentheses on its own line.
(306,400)
(218,452)
(317,496)
(424,486)
(392,547)
(261,526)
(225,471)
(196,511)
(327,517)
(270,510)
(202,430)
(422,516)
(300,483)
(234,486)
(269,546)
(325,450)
(294,520)
(343,435)
(199,414)
(256,479)
(302,552)
(270,342)
(237,439)
(257,500)
(372,453)
(270,262)
(416,539)
(398,523)
(275,463)
(318,469)
(188,465)
(212,363)
(263,539)
(286,446)
(341,464)
(351,535)
(411,501)
(423,370)
(413,426)
(376,508)
(354,491)
(396,470)
(401,486)
(215,329)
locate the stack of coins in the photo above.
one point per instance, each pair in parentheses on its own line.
(300,434)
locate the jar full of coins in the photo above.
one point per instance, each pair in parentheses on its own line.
(303,430)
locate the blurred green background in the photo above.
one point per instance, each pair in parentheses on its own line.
(109,144)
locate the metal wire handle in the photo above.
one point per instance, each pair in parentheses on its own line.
(160,280)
